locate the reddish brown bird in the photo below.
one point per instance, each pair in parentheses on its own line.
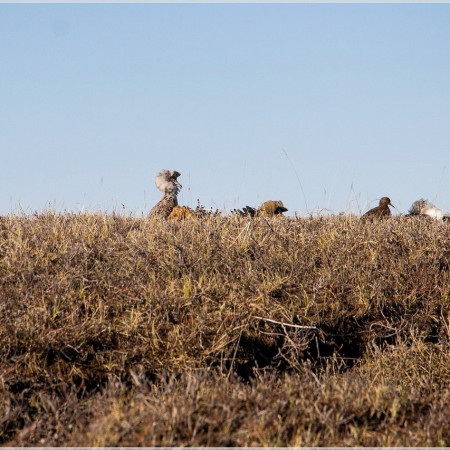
(270,208)
(381,211)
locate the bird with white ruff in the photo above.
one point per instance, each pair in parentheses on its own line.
(166,181)
(423,207)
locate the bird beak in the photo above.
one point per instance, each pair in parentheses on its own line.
(174,180)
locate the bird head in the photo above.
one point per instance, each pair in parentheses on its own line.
(166,181)
(279,207)
(386,201)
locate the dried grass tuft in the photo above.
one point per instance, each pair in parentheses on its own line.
(223,331)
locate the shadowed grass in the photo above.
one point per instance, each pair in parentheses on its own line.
(125,331)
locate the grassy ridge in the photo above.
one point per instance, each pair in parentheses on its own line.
(123,331)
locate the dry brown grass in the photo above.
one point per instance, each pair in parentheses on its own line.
(123,331)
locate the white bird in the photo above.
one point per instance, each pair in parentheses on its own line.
(423,207)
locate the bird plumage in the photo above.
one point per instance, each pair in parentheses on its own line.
(423,207)
(381,211)
(180,213)
(166,182)
(267,209)
(271,208)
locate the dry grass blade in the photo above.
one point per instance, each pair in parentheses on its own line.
(303,327)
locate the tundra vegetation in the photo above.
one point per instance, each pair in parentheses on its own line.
(224,331)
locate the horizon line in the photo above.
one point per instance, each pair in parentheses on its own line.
(366,2)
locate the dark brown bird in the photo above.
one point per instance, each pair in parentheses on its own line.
(381,211)
(166,182)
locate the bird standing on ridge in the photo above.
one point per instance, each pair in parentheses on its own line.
(425,208)
(166,182)
(381,211)
(270,208)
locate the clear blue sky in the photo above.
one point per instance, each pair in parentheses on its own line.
(323,106)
